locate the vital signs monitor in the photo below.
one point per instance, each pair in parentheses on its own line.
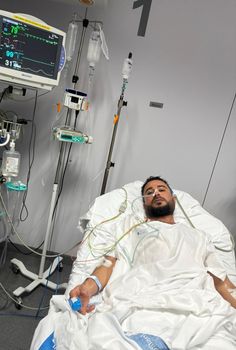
(31,51)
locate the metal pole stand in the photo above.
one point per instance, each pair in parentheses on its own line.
(109,163)
(125,72)
(42,277)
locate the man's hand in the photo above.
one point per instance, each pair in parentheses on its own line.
(223,287)
(83,292)
(89,287)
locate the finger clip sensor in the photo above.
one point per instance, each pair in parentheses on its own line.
(75,304)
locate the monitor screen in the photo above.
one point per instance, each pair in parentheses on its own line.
(30,50)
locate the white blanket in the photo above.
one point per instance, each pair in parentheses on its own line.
(160,286)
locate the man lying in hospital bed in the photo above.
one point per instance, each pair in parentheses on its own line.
(146,280)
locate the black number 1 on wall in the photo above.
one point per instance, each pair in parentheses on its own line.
(144,16)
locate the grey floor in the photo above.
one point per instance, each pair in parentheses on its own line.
(17,326)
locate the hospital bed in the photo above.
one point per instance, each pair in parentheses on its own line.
(104,328)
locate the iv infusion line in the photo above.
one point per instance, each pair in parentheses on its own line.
(123,206)
(112,247)
(108,249)
(122,209)
(16,301)
(39,308)
(22,305)
(90,231)
(22,241)
(191,224)
(31,161)
(184,212)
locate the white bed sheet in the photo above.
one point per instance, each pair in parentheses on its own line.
(190,313)
(159,287)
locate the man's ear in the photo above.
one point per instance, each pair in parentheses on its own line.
(174,196)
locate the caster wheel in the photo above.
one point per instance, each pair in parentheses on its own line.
(15,269)
(18,303)
(60,266)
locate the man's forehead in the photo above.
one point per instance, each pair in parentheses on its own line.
(155,183)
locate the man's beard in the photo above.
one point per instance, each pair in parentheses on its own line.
(157,212)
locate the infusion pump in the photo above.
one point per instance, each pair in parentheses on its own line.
(68,134)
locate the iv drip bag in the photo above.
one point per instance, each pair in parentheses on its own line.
(11,161)
(103,43)
(71,40)
(94,48)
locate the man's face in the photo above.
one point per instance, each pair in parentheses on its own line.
(158,200)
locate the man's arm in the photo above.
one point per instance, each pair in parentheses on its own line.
(223,287)
(89,287)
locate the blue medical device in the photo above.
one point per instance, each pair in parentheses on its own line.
(75,304)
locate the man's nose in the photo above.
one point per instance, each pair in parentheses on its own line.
(156,192)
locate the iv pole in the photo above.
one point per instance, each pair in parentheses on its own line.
(42,277)
(126,70)
(18,266)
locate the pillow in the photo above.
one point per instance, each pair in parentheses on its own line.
(128,200)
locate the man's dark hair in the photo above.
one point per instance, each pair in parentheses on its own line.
(151,178)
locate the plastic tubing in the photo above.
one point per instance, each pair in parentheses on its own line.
(6,141)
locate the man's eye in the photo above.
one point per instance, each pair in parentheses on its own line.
(150,192)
